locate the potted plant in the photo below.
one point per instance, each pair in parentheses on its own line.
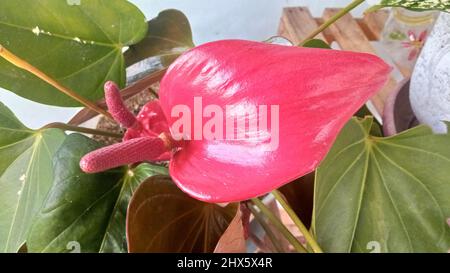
(179,179)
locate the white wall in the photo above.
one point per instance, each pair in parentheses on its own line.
(210,20)
(245,19)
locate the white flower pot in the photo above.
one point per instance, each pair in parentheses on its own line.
(430,83)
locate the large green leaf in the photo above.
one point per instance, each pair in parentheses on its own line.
(389,193)
(168,36)
(162,218)
(85,209)
(26,175)
(417,5)
(115,236)
(78,45)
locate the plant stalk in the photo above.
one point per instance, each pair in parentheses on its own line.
(21,63)
(333,19)
(266,228)
(128,92)
(279,225)
(66,127)
(309,238)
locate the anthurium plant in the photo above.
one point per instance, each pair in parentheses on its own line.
(234,126)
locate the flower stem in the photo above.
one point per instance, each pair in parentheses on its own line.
(309,238)
(266,228)
(333,19)
(128,92)
(66,127)
(21,63)
(279,225)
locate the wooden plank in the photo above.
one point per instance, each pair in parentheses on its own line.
(282,30)
(347,33)
(369,33)
(350,36)
(297,23)
(375,22)
(326,33)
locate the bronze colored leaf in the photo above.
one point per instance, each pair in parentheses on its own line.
(162,218)
(233,240)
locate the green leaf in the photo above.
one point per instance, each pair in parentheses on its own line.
(85,209)
(78,205)
(364,112)
(162,218)
(80,46)
(115,236)
(388,193)
(417,5)
(316,43)
(26,175)
(169,35)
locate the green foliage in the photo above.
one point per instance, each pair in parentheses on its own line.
(169,35)
(26,175)
(88,209)
(389,191)
(80,46)
(316,43)
(417,5)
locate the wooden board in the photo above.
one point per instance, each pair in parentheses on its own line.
(350,34)
(373,23)
(296,23)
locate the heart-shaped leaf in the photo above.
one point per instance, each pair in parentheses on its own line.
(88,210)
(80,46)
(417,5)
(26,175)
(168,36)
(388,193)
(115,235)
(161,218)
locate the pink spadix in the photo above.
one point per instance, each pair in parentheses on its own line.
(133,150)
(116,106)
(316,92)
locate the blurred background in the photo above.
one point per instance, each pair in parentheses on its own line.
(210,20)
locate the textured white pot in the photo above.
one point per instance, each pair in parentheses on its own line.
(430,83)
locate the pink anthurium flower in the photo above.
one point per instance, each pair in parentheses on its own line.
(263,115)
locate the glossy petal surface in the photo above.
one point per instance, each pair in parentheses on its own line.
(151,122)
(316,92)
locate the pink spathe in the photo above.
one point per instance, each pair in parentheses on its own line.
(316,92)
